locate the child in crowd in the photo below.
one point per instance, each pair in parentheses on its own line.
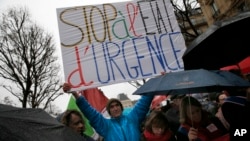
(157,128)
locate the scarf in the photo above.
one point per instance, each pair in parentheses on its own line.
(151,137)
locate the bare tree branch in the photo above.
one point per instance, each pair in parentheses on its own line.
(184,10)
(27,60)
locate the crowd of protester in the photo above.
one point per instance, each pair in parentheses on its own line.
(209,117)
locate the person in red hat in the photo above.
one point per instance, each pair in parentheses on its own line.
(157,102)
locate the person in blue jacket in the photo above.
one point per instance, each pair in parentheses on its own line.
(119,127)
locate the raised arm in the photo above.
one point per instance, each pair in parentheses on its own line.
(95,118)
(141,108)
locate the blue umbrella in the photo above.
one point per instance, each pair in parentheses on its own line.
(192,81)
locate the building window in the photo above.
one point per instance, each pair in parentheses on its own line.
(214,9)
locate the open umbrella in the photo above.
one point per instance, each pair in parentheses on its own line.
(19,124)
(224,43)
(192,81)
(243,66)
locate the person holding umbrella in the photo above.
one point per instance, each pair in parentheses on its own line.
(236,108)
(196,125)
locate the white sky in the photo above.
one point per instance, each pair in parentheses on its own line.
(44,13)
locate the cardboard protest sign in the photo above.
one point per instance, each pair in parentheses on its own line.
(118,42)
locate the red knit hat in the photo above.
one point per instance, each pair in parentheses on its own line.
(157,100)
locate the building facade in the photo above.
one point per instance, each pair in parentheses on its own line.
(216,10)
(199,18)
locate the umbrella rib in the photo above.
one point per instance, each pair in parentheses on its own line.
(190,108)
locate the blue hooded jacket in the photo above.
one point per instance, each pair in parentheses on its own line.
(124,128)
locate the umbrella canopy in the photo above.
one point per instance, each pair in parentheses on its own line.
(19,124)
(243,66)
(192,81)
(224,43)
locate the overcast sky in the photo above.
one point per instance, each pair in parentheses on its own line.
(44,13)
